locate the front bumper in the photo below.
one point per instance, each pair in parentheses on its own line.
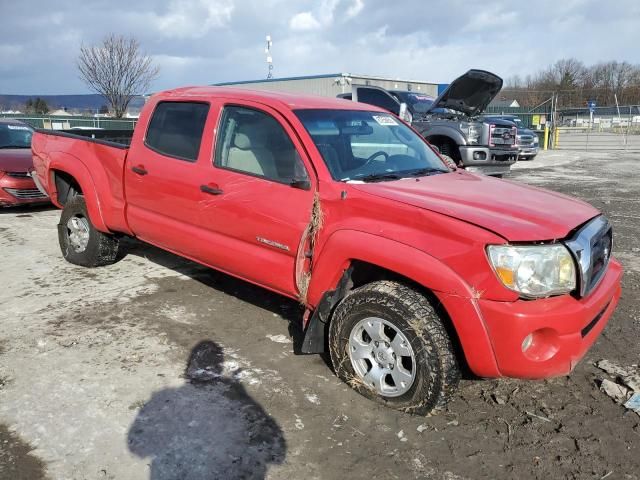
(563,328)
(490,161)
(529,151)
(16,191)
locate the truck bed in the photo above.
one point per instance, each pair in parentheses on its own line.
(95,159)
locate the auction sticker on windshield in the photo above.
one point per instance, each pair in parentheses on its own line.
(385,120)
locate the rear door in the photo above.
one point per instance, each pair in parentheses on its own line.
(163,176)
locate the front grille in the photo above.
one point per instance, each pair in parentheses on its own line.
(19,174)
(525,140)
(502,136)
(591,247)
(25,193)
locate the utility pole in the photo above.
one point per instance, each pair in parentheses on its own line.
(267,51)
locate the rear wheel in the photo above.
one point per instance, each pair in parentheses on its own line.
(389,344)
(80,243)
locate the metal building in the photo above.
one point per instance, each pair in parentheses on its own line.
(330,85)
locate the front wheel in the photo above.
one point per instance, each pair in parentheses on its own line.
(389,344)
(80,242)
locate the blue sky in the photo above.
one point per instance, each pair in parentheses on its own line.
(209,41)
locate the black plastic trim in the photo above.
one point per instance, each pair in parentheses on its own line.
(585,331)
(315,337)
(74,136)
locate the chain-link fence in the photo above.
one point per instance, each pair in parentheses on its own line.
(601,128)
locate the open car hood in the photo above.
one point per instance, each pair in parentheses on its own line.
(470,93)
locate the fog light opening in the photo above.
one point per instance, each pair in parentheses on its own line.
(479,156)
(541,345)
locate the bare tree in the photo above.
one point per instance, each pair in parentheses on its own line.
(117,70)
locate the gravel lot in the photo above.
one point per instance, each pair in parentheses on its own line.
(93,365)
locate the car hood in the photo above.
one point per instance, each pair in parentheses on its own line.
(470,93)
(517,212)
(526,131)
(15,159)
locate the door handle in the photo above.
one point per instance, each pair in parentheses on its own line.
(211,189)
(139,169)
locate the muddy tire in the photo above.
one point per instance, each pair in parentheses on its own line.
(450,162)
(80,243)
(389,344)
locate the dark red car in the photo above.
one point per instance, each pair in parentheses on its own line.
(16,186)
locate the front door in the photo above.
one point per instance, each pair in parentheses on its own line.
(260,195)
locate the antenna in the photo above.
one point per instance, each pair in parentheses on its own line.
(267,51)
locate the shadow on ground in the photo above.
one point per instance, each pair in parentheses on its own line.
(289,309)
(209,428)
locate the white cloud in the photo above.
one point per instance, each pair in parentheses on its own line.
(355,8)
(304,21)
(193,18)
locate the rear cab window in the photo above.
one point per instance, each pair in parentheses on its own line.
(175,129)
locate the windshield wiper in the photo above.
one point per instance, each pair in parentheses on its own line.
(379,177)
(425,171)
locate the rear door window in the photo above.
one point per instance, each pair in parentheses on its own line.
(175,129)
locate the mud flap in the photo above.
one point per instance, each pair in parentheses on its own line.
(315,336)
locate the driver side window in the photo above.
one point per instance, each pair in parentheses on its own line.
(253,142)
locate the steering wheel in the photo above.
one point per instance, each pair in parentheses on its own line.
(377,154)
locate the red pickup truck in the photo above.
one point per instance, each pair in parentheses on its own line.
(409,270)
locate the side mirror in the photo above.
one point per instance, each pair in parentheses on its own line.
(405,114)
(301,183)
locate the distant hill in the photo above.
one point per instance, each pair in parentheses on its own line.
(90,102)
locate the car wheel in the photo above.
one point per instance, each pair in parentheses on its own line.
(80,243)
(390,345)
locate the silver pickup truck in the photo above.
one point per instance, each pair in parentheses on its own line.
(452,122)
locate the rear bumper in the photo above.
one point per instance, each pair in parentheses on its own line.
(490,161)
(562,329)
(19,191)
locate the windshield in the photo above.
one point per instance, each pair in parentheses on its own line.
(15,135)
(369,146)
(419,102)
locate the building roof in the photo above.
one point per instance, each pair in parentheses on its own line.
(288,100)
(324,75)
(504,102)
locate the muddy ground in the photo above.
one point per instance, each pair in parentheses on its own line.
(93,365)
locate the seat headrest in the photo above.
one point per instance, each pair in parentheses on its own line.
(242,141)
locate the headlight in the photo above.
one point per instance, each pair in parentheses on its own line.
(534,270)
(536,139)
(474,130)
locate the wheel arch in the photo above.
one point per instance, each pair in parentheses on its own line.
(350,259)
(74,177)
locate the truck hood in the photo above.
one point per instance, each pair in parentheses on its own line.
(15,160)
(517,212)
(469,94)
